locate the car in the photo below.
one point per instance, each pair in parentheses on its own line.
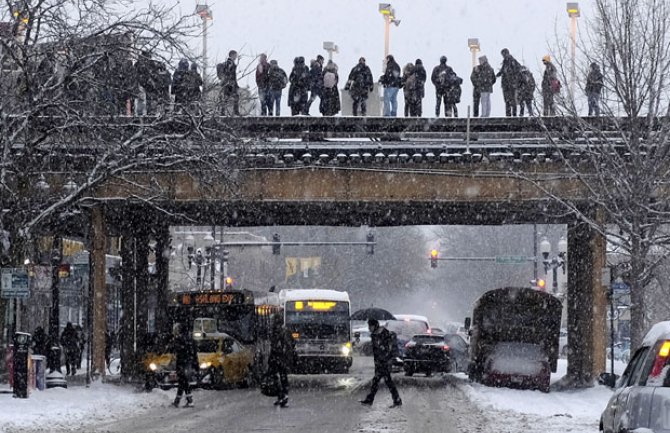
(429,353)
(405,327)
(641,398)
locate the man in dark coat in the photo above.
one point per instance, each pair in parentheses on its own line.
(263,83)
(186,354)
(452,95)
(277,81)
(421,78)
(155,79)
(330,95)
(384,350)
(297,92)
(179,86)
(315,81)
(510,73)
(594,86)
(412,90)
(282,353)
(483,78)
(70,343)
(550,86)
(392,82)
(40,342)
(360,84)
(440,79)
(193,84)
(227,74)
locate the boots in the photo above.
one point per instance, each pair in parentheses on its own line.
(175,403)
(189,401)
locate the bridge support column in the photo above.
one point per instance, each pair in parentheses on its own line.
(587,304)
(99,265)
(162,269)
(142,291)
(127,337)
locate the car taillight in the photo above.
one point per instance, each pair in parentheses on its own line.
(445,347)
(661,359)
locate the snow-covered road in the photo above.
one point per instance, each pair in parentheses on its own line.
(319,403)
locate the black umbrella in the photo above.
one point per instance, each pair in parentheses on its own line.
(372,313)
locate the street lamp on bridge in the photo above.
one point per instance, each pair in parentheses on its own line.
(206,15)
(389,18)
(473,44)
(573,13)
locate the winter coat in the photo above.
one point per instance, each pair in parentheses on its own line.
(69,340)
(263,75)
(193,81)
(410,84)
(550,75)
(421,77)
(299,79)
(162,81)
(277,79)
(282,348)
(384,348)
(483,78)
(179,86)
(186,353)
(452,93)
(440,77)
(391,77)
(316,78)
(594,81)
(526,86)
(330,96)
(227,74)
(510,73)
(360,81)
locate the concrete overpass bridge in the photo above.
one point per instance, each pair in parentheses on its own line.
(374,171)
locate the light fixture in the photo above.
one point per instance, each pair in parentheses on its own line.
(473,44)
(573,9)
(545,247)
(208,240)
(189,241)
(563,245)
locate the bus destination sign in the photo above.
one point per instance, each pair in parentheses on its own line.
(214,298)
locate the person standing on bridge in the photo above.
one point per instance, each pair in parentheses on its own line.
(277,81)
(550,86)
(411,90)
(526,91)
(315,81)
(391,80)
(282,354)
(179,88)
(297,92)
(594,86)
(384,351)
(510,72)
(440,78)
(186,354)
(359,85)
(421,77)
(330,96)
(262,82)
(227,74)
(483,78)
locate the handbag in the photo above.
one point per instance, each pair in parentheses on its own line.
(270,385)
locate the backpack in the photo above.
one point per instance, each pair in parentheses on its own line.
(554,85)
(302,77)
(329,80)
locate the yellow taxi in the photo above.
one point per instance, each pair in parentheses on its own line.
(223,362)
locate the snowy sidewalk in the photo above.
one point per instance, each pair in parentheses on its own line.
(72,408)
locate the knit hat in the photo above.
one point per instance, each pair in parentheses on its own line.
(546,58)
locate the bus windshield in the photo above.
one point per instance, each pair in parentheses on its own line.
(318,319)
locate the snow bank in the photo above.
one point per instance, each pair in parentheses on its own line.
(74,407)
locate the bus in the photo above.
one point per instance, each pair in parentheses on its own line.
(514,338)
(319,323)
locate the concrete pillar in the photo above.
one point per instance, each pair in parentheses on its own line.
(587,303)
(142,292)
(127,331)
(162,269)
(99,248)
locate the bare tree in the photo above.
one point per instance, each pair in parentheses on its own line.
(623,155)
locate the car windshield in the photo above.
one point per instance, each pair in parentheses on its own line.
(406,328)
(428,339)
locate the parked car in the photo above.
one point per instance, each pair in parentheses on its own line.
(405,327)
(641,399)
(429,353)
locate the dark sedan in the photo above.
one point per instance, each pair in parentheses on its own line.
(429,353)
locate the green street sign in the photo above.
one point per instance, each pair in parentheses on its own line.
(511,260)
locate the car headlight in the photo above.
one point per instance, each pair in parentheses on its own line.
(153,366)
(205,365)
(346,349)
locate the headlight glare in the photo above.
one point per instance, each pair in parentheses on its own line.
(153,366)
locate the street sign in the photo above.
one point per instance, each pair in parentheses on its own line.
(14,283)
(511,260)
(620,287)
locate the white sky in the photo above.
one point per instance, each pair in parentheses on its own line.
(430,28)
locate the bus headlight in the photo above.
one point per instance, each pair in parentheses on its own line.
(346,349)
(153,366)
(205,365)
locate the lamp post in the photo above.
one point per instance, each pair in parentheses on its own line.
(473,44)
(206,15)
(389,18)
(331,48)
(573,13)
(555,262)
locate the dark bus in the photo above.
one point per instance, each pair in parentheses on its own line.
(514,338)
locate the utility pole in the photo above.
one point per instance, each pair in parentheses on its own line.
(573,13)
(473,44)
(206,15)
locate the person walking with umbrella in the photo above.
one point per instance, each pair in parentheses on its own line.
(384,350)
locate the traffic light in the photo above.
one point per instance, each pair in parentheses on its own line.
(370,248)
(433,258)
(276,244)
